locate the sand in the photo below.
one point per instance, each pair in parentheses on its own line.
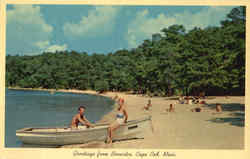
(181,129)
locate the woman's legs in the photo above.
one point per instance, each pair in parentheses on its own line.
(112,128)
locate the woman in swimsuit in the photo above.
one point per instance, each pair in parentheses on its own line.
(121,118)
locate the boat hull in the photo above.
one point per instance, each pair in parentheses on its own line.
(67,136)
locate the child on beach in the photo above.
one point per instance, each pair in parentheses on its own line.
(197,109)
(148,105)
(171,108)
(202,102)
(200,109)
(218,108)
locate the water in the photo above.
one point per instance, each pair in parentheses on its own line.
(26,108)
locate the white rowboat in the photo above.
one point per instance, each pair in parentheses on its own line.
(67,136)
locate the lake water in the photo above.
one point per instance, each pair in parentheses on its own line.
(27,108)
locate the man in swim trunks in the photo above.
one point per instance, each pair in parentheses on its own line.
(80,118)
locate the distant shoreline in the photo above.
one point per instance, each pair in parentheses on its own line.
(54,90)
(93,92)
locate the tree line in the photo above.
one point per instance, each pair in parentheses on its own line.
(210,60)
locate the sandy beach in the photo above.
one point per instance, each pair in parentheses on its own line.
(181,129)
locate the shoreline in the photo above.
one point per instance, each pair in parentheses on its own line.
(181,129)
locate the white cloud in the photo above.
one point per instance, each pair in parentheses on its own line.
(42,44)
(54,48)
(45,46)
(100,21)
(143,26)
(27,31)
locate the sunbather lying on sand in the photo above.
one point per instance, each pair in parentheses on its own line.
(197,109)
(218,109)
(202,102)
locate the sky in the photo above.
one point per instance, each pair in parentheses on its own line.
(34,29)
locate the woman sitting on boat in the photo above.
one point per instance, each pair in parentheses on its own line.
(121,118)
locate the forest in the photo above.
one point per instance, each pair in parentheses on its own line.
(173,62)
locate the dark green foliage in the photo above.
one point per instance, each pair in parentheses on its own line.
(101,86)
(210,60)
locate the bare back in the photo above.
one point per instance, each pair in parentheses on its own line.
(75,120)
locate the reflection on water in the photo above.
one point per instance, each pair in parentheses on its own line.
(41,108)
